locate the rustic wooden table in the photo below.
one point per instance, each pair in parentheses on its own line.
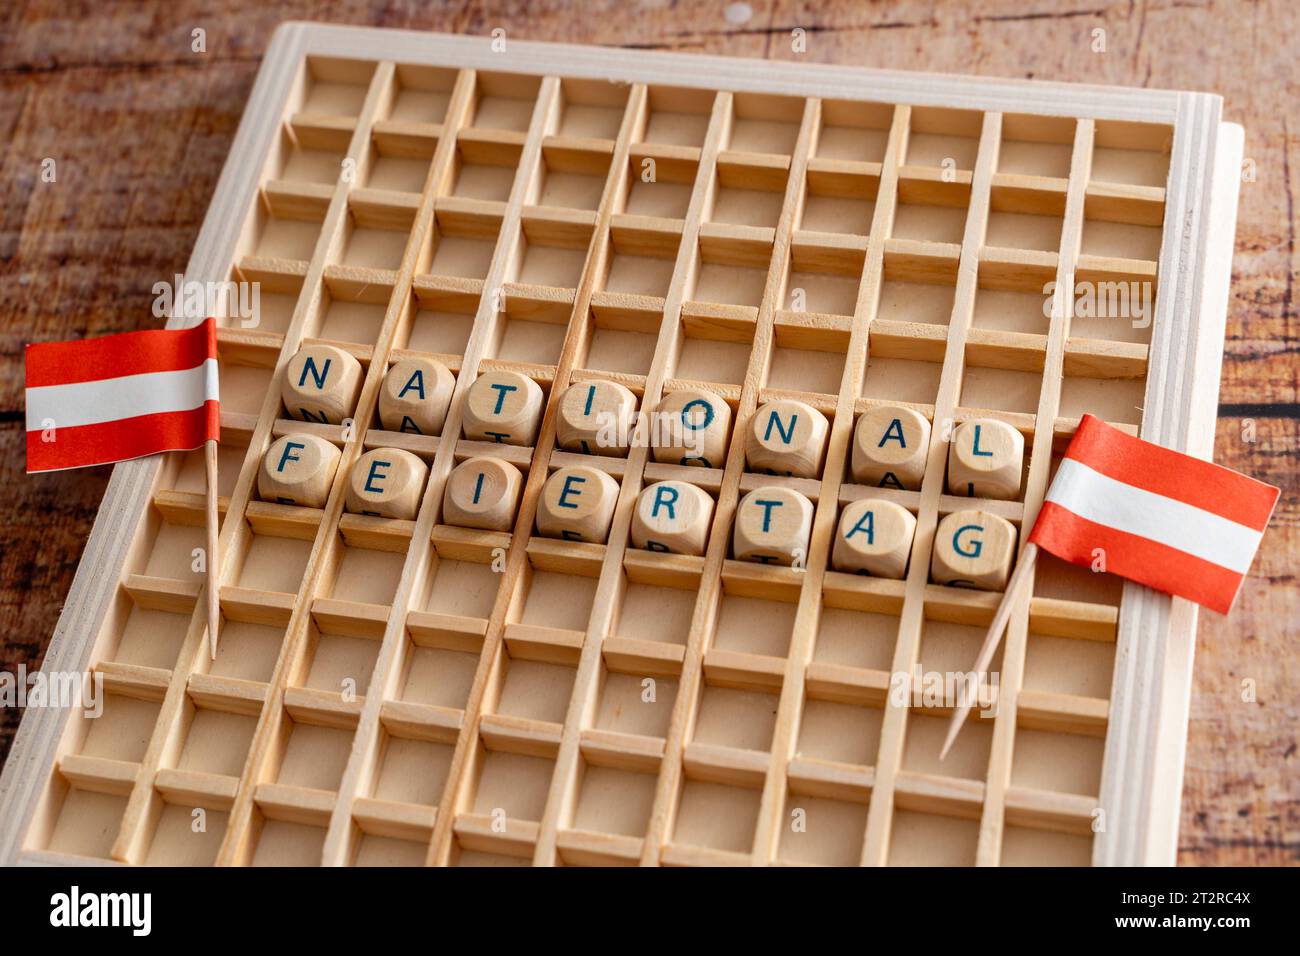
(138,126)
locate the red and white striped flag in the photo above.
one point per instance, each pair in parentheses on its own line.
(1161,518)
(96,401)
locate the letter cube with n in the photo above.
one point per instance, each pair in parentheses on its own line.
(321,384)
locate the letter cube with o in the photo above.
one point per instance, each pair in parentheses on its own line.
(691,427)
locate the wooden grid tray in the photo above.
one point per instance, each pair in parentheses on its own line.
(499,713)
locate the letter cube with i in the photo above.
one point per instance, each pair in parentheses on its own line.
(773,526)
(577,504)
(298,470)
(986,460)
(386,483)
(874,537)
(482,493)
(973,549)
(786,438)
(890,445)
(672,516)
(321,384)
(691,427)
(504,407)
(595,418)
(415,396)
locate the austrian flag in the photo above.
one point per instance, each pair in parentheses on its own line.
(96,401)
(1172,522)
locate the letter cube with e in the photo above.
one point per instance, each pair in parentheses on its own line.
(973,549)
(298,470)
(986,460)
(786,437)
(321,384)
(577,504)
(482,493)
(595,418)
(504,407)
(415,396)
(386,483)
(691,427)
(890,445)
(874,537)
(773,526)
(672,516)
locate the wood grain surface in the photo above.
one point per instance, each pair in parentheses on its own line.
(138,126)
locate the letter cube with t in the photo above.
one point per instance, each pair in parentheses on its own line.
(577,504)
(595,418)
(672,516)
(691,427)
(890,445)
(482,493)
(986,460)
(874,537)
(298,470)
(973,549)
(386,483)
(504,407)
(321,384)
(773,526)
(415,396)
(786,438)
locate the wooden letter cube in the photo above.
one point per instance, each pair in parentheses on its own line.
(577,504)
(874,537)
(386,483)
(691,428)
(786,437)
(321,384)
(503,406)
(773,526)
(973,549)
(986,460)
(890,445)
(298,470)
(672,516)
(482,493)
(415,396)
(596,418)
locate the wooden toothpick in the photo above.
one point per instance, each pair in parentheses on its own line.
(214,596)
(1022,574)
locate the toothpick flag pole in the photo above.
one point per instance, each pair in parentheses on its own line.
(1019,578)
(1155,516)
(214,565)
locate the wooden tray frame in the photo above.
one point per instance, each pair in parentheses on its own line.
(1150,694)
